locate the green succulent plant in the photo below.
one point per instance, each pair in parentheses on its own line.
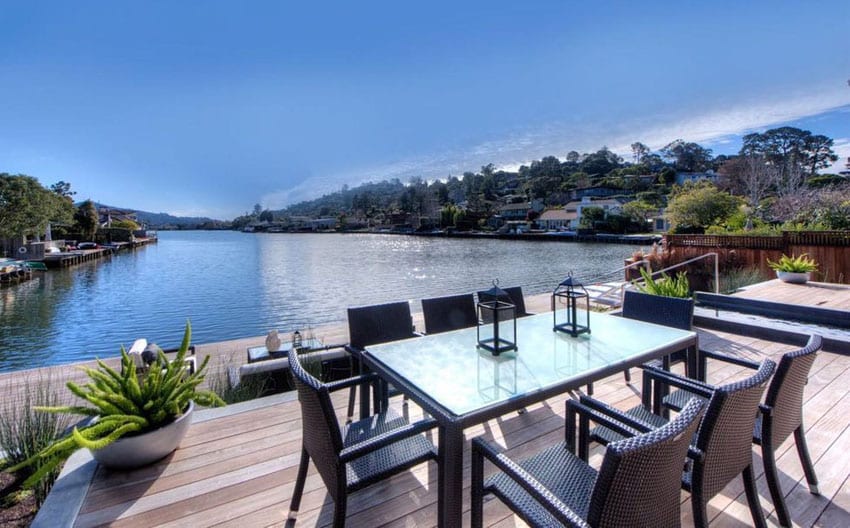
(800,264)
(666,286)
(130,402)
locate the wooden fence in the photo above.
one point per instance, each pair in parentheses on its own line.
(830,249)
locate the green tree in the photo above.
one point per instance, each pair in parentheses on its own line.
(687,157)
(266,216)
(63,188)
(790,149)
(126,224)
(590,215)
(698,205)
(639,212)
(87,219)
(639,151)
(26,206)
(600,162)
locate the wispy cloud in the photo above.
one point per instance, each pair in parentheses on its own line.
(715,127)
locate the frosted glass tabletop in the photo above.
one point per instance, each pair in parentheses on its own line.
(462,378)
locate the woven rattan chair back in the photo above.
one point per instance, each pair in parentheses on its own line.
(443,314)
(514,296)
(320,431)
(380,323)
(785,393)
(639,482)
(725,435)
(656,309)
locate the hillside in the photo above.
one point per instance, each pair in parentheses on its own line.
(165,220)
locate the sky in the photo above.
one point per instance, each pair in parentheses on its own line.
(204,108)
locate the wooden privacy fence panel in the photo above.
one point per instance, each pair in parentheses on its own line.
(830,249)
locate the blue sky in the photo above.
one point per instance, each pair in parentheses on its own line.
(205,108)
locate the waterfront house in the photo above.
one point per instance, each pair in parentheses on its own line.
(609,205)
(514,211)
(553,219)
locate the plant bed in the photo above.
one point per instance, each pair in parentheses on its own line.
(17,508)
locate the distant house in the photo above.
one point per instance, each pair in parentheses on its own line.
(682,177)
(322,224)
(514,211)
(594,192)
(553,219)
(609,205)
(660,223)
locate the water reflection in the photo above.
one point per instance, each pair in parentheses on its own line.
(234,285)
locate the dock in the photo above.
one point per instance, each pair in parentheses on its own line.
(73,258)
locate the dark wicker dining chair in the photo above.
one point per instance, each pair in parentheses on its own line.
(636,485)
(721,449)
(373,325)
(360,454)
(516,298)
(780,415)
(657,309)
(666,311)
(443,314)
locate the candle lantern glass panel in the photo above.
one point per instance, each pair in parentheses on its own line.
(496,321)
(567,300)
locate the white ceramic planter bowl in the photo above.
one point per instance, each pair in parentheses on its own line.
(141,450)
(793,277)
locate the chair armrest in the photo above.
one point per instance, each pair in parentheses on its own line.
(593,410)
(353,350)
(384,439)
(481,450)
(371,377)
(695,453)
(604,414)
(728,359)
(697,387)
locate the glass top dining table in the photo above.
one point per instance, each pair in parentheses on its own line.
(461,385)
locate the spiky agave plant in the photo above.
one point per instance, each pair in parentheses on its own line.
(665,286)
(126,403)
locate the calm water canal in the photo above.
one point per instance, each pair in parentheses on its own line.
(232,285)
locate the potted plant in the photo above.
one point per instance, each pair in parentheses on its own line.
(794,270)
(665,300)
(136,416)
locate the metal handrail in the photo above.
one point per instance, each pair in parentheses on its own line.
(619,271)
(644,263)
(700,257)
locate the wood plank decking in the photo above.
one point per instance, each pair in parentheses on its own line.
(820,294)
(237,465)
(239,469)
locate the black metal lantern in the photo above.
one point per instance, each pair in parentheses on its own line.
(565,304)
(496,321)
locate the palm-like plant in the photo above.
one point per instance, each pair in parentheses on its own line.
(666,285)
(133,401)
(800,264)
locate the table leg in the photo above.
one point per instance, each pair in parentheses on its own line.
(692,369)
(450,477)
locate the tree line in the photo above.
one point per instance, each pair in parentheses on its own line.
(772,171)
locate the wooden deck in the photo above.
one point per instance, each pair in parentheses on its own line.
(820,294)
(239,469)
(237,465)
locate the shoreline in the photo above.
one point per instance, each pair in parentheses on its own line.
(603,238)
